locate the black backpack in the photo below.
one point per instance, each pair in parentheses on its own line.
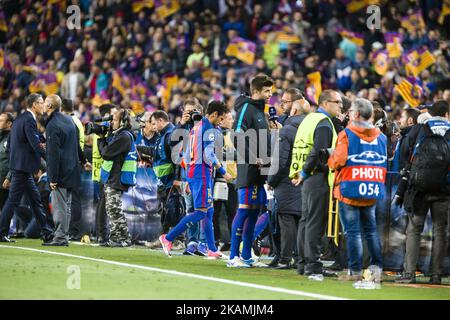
(175,208)
(430,162)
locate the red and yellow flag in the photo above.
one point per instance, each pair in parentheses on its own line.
(355,37)
(168,9)
(380,61)
(242,49)
(393,44)
(411,92)
(445,11)
(139,5)
(314,86)
(418,60)
(413,22)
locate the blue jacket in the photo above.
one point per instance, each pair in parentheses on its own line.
(63,165)
(25,148)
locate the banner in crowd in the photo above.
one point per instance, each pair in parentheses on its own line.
(393,44)
(445,11)
(380,60)
(355,37)
(413,22)
(353,6)
(411,91)
(242,49)
(418,60)
(313,87)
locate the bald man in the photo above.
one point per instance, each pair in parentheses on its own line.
(63,166)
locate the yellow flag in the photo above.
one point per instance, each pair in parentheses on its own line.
(314,86)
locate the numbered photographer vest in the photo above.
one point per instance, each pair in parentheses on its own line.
(364,173)
(304,141)
(129,167)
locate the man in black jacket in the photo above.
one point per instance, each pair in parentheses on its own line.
(116,176)
(63,167)
(288,196)
(250,126)
(6,120)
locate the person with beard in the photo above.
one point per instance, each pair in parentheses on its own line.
(6,120)
(287,100)
(63,166)
(407,121)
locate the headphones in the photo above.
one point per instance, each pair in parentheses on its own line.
(382,121)
(125,119)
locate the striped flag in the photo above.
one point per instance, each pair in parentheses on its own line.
(139,5)
(418,60)
(413,22)
(393,44)
(2,58)
(380,61)
(445,11)
(242,49)
(100,98)
(168,9)
(411,91)
(355,37)
(121,82)
(314,87)
(3,25)
(51,85)
(353,6)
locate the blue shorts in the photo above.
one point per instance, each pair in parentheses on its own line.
(202,192)
(253,196)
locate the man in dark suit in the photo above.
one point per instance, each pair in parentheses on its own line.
(25,152)
(63,166)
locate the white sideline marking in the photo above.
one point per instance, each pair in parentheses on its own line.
(190,275)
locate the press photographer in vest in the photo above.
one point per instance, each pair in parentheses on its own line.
(118,173)
(163,166)
(426,187)
(315,133)
(360,159)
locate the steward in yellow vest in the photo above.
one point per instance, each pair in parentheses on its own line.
(316,133)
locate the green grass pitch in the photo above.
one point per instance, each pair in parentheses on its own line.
(37,275)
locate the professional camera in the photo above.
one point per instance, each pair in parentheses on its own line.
(324,154)
(99,126)
(195,115)
(402,187)
(146,153)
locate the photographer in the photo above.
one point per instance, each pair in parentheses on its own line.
(146,140)
(100,211)
(193,111)
(361,149)
(118,173)
(163,166)
(425,186)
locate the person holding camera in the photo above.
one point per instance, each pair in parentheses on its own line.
(315,133)
(201,159)
(118,173)
(63,167)
(163,166)
(195,237)
(425,186)
(360,159)
(106,110)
